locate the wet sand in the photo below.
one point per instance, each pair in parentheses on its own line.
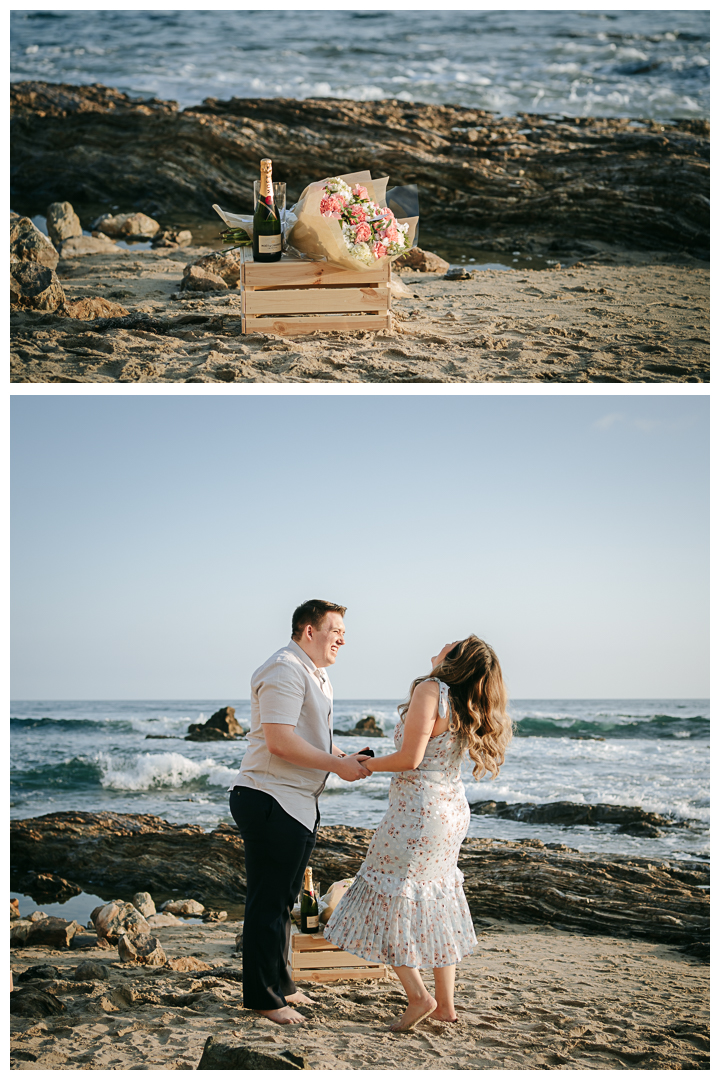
(530,997)
(622,317)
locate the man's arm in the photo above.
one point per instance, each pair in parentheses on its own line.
(284,741)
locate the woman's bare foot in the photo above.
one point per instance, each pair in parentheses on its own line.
(414,1013)
(286,1015)
(444,1014)
(299,998)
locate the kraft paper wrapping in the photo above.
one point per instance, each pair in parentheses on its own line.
(318,237)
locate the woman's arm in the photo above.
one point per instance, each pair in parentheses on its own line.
(418,728)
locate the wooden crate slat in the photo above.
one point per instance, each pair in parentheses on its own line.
(330,960)
(308,324)
(338,974)
(305,301)
(299,272)
(305,942)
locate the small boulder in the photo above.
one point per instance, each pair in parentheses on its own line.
(38,915)
(182,907)
(197,279)
(127,226)
(187,963)
(28,244)
(93,307)
(172,238)
(215,916)
(163,919)
(57,933)
(227,1052)
(90,969)
(459,273)
(118,918)
(39,972)
(85,941)
(143,901)
(19,931)
(35,287)
(62,222)
(14,909)
(224,264)
(143,949)
(425,261)
(30,1002)
(86,245)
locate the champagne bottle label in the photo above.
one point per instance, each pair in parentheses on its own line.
(269,244)
(313,922)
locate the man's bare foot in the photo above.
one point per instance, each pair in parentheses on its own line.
(286,1015)
(444,1014)
(298,998)
(415,1013)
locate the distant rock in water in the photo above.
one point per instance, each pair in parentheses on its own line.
(632,819)
(221,725)
(368,726)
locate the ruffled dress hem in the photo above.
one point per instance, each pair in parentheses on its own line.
(413,925)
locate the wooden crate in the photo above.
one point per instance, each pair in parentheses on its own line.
(316,960)
(293,296)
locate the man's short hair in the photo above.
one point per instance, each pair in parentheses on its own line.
(313,612)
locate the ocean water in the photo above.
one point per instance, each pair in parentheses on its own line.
(95,755)
(644,64)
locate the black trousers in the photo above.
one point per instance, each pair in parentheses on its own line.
(277,850)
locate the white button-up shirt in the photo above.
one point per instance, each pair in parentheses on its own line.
(288,689)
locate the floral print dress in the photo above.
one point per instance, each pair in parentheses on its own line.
(406,906)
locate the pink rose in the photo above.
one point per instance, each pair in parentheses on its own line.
(360,192)
(357,213)
(391,234)
(387,212)
(379,250)
(363,233)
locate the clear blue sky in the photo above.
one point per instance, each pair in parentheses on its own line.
(160,543)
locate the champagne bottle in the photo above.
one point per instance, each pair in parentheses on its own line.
(309,919)
(267,228)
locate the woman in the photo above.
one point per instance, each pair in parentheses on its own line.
(406,906)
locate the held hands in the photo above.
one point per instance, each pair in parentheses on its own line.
(352,767)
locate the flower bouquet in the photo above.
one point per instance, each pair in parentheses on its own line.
(345,220)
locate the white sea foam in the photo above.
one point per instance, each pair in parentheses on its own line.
(142,772)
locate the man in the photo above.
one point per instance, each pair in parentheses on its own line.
(275,797)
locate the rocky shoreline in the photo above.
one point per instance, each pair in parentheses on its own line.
(546,183)
(523,881)
(577,964)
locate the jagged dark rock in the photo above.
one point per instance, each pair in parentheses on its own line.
(523,881)
(28,1001)
(57,933)
(631,819)
(48,887)
(495,180)
(368,726)
(226,1052)
(221,725)
(38,972)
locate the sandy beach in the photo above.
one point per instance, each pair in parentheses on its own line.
(530,997)
(620,317)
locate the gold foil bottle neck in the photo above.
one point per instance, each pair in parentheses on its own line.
(266,178)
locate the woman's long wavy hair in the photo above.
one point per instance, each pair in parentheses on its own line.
(479,698)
